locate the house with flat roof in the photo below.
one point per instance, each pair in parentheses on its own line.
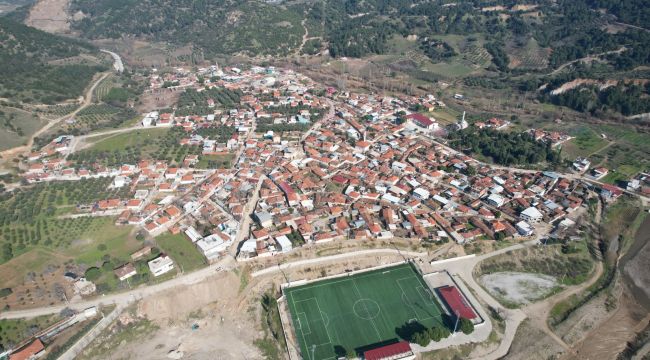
(531,215)
(161,265)
(284,243)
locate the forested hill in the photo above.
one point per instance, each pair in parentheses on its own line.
(38,67)
(352,27)
(214,26)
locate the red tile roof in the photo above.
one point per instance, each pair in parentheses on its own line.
(389,351)
(456,302)
(25,353)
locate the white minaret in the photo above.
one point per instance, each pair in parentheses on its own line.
(463,124)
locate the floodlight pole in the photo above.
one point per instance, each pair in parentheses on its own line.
(456,324)
(313,348)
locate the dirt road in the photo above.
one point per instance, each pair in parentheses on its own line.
(88,96)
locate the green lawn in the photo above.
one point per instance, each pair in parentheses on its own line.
(446,115)
(119,243)
(137,138)
(586,142)
(181,250)
(215,161)
(360,310)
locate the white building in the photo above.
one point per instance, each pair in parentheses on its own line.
(248,249)
(524,229)
(193,234)
(581,164)
(284,243)
(421,194)
(212,246)
(496,200)
(531,215)
(161,265)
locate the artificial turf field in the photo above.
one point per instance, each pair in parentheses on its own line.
(359,310)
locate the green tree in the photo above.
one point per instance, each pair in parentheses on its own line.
(422,338)
(466,326)
(93,274)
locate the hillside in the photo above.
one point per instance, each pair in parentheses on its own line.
(213,27)
(42,68)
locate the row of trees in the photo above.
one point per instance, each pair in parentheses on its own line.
(417,333)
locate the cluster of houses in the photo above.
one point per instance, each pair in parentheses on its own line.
(366,174)
(370,170)
(554,138)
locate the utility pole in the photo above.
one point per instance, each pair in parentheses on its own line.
(456,325)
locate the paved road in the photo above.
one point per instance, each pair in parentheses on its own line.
(299,263)
(117,60)
(81,344)
(126,297)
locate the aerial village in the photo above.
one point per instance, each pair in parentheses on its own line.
(344,166)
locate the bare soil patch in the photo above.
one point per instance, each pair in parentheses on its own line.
(50,15)
(532,344)
(518,288)
(610,337)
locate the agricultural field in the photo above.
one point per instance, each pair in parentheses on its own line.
(99,116)
(105,86)
(625,151)
(130,147)
(182,251)
(472,57)
(586,142)
(629,154)
(16,126)
(55,111)
(13,332)
(35,217)
(139,138)
(445,116)
(529,56)
(215,161)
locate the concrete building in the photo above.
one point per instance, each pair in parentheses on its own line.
(161,265)
(531,215)
(284,243)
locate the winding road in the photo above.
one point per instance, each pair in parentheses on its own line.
(88,97)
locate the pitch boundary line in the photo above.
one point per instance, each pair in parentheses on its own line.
(408,298)
(320,312)
(364,305)
(356,276)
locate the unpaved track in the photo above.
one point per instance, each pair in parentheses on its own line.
(88,97)
(539,312)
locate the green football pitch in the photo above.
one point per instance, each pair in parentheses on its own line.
(359,310)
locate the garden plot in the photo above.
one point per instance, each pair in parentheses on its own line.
(519,288)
